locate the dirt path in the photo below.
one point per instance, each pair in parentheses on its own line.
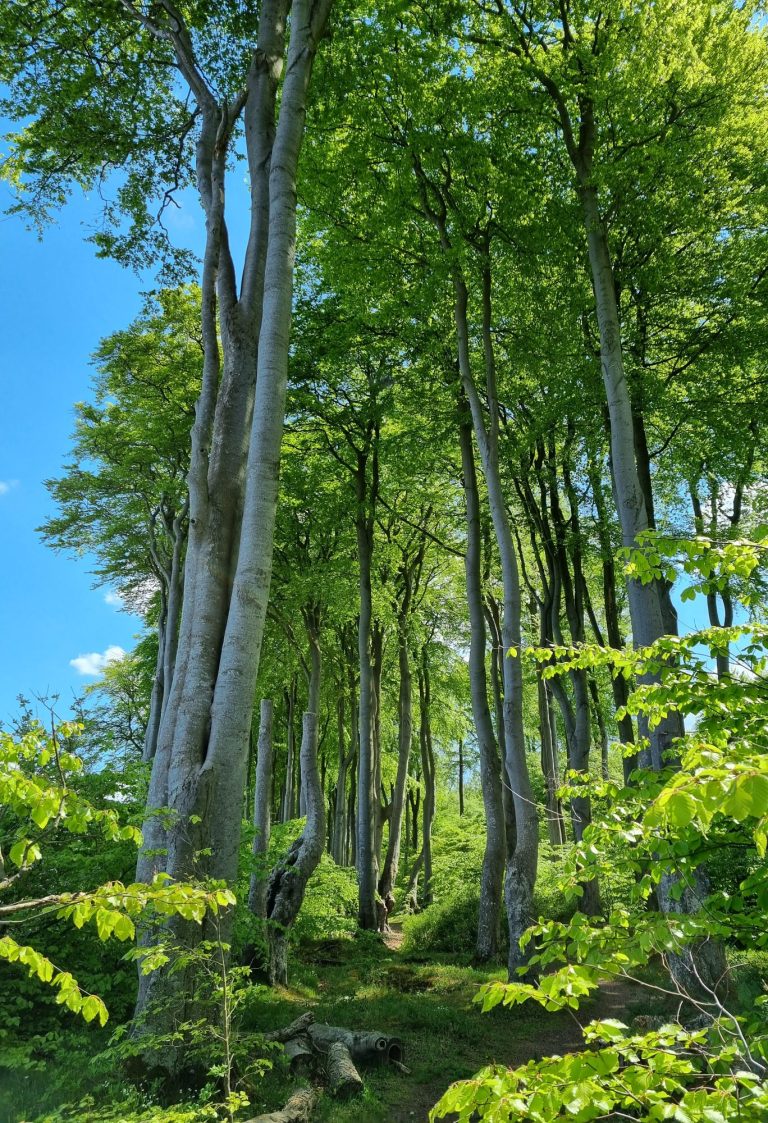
(393,937)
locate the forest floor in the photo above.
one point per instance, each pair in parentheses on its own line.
(427,1001)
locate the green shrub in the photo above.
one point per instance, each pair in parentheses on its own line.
(449,925)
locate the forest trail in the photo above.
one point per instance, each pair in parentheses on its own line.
(427,999)
(394,936)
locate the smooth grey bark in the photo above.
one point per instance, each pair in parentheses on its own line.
(414,800)
(461,777)
(521,865)
(257,895)
(381,807)
(158,690)
(345,758)
(645,601)
(411,898)
(405,737)
(650,604)
(288,880)
(492,875)
(568,561)
(200,764)
(493,617)
(602,732)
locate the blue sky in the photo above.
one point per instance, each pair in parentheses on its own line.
(57,301)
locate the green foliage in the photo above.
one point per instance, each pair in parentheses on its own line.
(330,903)
(449,925)
(36,787)
(661,830)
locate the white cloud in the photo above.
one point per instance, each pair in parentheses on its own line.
(113,599)
(95,662)
(7,485)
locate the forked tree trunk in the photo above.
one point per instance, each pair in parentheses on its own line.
(345,758)
(409,576)
(257,895)
(615,639)
(200,765)
(522,862)
(405,737)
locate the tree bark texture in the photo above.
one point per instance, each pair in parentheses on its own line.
(200,764)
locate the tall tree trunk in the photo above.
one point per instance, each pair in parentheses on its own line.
(380,807)
(288,880)
(289,805)
(521,866)
(461,777)
(200,764)
(366,810)
(428,768)
(615,639)
(492,875)
(345,758)
(158,690)
(601,729)
(646,602)
(555,824)
(257,896)
(648,608)
(405,738)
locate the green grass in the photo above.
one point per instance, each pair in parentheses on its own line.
(425,1001)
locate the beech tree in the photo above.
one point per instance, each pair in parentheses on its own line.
(167,95)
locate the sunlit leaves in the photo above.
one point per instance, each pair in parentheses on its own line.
(661,831)
(35,776)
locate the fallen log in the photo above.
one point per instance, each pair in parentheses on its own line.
(364,1048)
(344,1081)
(307,1043)
(300,1054)
(299,1025)
(298,1108)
